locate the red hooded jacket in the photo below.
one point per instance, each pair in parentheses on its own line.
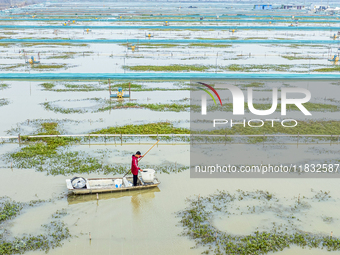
(134,165)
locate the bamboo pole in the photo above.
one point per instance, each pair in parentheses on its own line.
(148,151)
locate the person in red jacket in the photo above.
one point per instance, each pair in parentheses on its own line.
(134,167)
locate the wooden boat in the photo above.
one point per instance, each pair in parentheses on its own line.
(100,185)
(145,194)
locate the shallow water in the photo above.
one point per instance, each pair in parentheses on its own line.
(125,223)
(145,222)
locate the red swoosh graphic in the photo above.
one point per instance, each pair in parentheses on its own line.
(218,96)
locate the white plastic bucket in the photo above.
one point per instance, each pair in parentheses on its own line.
(118,183)
(126,183)
(148,175)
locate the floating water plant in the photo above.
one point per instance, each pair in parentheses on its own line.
(4,101)
(4,86)
(170,68)
(54,233)
(198,217)
(52,155)
(151,128)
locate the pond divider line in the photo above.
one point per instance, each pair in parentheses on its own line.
(176,15)
(214,27)
(171,41)
(192,142)
(165,76)
(171,54)
(121,135)
(183,20)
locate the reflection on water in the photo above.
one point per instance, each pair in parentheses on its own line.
(142,199)
(137,196)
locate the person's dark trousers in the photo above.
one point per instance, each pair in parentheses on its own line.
(135,177)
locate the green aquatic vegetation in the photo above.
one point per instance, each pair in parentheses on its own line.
(42,146)
(4,86)
(303,128)
(327,69)
(252,85)
(48,85)
(54,233)
(8,209)
(80,88)
(68,56)
(2,44)
(322,196)
(197,219)
(158,45)
(4,101)
(210,45)
(48,106)
(9,33)
(150,128)
(304,45)
(67,87)
(256,38)
(79,162)
(35,66)
(10,67)
(298,57)
(77,86)
(154,107)
(53,43)
(46,66)
(125,85)
(51,155)
(327,219)
(251,68)
(205,38)
(313,107)
(106,105)
(281,38)
(169,68)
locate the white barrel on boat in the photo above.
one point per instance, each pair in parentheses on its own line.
(148,175)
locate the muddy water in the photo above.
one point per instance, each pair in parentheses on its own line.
(144,222)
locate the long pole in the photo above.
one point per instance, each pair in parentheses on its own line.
(142,157)
(148,151)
